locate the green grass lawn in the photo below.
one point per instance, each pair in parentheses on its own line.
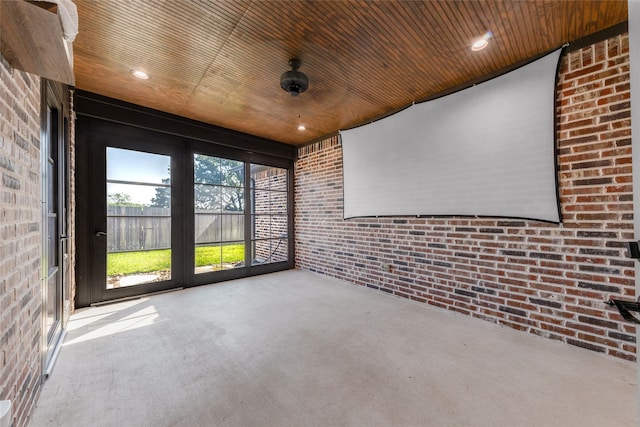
(123,263)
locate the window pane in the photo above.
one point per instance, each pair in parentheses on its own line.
(232,255)
(261,227)
(212,228)
(134,195)
(207,198)
(52,187)
(216,257)
(232,199)
(268,177)
(260,251)
(138,267)
(278,179)
(232,172)
(232,228)
(207,258)
(269,251)
(138,233)
(278,202)
(53,141)
(206,169)
(278,227)
(269,227)
(261,201)
(52,241)
(52,304)
(279,250)
(208,228)
(125,165)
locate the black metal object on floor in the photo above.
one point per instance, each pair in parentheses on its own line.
(625,308)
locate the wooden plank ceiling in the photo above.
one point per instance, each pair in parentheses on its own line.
(220,61)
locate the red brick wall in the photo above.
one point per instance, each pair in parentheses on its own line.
(546,279)
(20,240)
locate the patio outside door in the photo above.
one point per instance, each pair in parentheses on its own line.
(159,211)
(138,232)
(133,230)
(55,185)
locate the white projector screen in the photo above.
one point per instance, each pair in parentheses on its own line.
(488,150)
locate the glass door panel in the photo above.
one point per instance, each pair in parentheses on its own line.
(138,218)
(160,215)
(269,220)
(219,213)
(54,191)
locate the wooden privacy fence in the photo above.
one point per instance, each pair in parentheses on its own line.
(132,228)
(213,228)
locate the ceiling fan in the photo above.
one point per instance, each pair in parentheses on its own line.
(294,82)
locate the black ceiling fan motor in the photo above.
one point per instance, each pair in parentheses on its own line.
(294,82)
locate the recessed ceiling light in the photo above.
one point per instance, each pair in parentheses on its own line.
(140,74)
(482,42)
(479,45)
(302,127)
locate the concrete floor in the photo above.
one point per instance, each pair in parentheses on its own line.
(299,349)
